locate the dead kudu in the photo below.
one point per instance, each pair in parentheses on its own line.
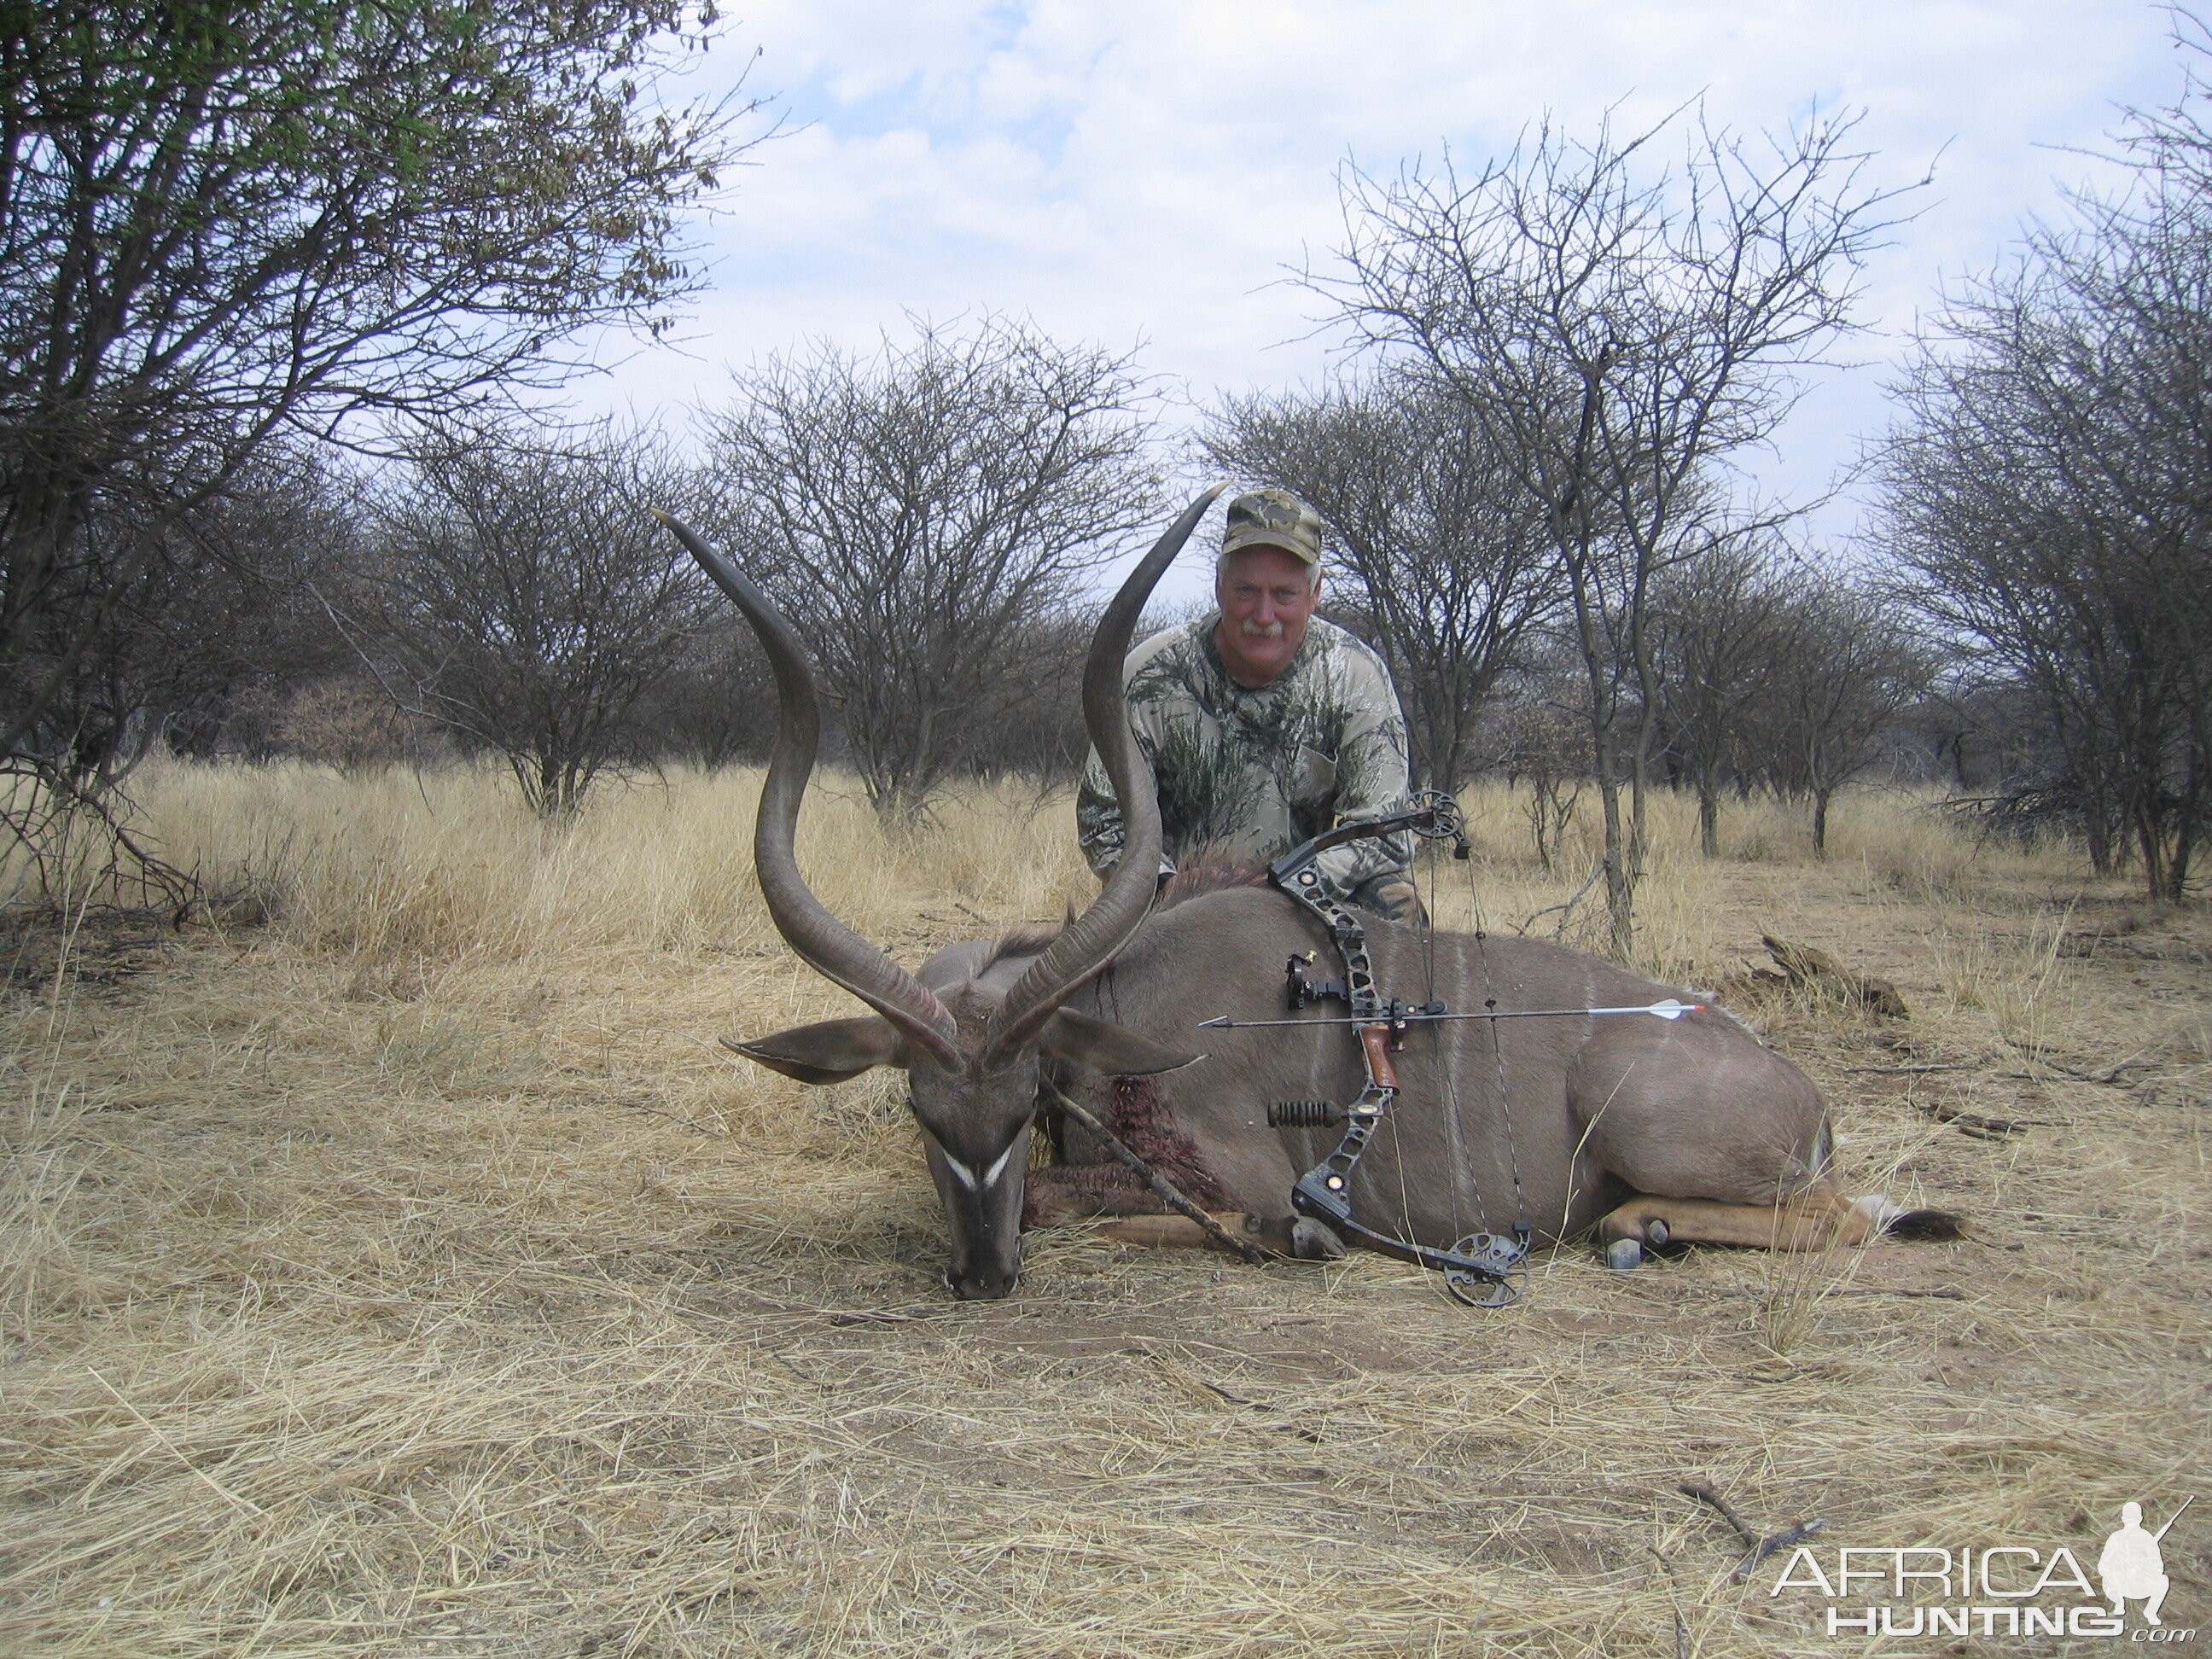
(1649,1130)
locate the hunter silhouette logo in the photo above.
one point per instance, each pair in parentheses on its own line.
(2001,1589)
(2132,1566)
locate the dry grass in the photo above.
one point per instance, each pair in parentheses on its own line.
(410,1276)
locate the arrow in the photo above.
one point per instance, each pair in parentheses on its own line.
(1670,1009)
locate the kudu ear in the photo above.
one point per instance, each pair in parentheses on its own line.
(830,1052)
(1102,1046)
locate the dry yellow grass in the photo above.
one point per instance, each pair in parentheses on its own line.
(411,1276)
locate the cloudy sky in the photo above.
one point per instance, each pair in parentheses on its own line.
(1141,173)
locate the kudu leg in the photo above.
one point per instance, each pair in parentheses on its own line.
(1171,1232)
(1814,1219)
(1063,1193)
(1296,1239)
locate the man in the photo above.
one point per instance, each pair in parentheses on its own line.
(1263,724)
(2132,1566)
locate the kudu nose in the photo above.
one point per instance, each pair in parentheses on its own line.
(985,1286)
(972,1281)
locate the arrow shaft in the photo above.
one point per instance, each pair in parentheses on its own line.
(1222,1023)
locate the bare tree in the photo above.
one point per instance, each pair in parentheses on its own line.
(531,603)
(2049,500)
(716,707)
(922,514)
(1722,630)
(217,608)
(1447,549)
(1539,735)
(1038,737)
(349,722)
(1619,326)
(216,622)
(1846,667)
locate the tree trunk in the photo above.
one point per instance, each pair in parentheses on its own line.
(1709,818)
(1619,874)
(2157,872)
(2101,843)
(1821,822)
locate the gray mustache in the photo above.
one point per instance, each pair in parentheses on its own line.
(1260,630)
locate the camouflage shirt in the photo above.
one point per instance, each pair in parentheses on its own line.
(1253,772)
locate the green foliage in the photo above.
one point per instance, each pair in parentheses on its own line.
(223,227)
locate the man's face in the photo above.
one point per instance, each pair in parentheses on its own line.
(1266,597)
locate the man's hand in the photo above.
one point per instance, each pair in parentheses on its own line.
(1393,897)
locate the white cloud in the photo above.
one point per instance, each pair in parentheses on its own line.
(1145,170)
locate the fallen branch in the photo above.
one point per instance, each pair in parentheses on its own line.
(1942,1292)
(2132,1063)
(1904,1071)
(1805,965)
(1986,1128)
(1163,1189)
(2090,945)
(1260,1406)
(1698,1489)
(1759,1547)
(1682,1630)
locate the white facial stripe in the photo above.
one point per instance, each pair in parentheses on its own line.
(966,1176)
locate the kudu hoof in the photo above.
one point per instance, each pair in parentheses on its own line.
(1315,1241)
(1624,1254)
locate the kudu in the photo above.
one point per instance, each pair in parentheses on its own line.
(1648,1129)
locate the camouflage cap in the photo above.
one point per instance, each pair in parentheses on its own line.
(1274,517)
